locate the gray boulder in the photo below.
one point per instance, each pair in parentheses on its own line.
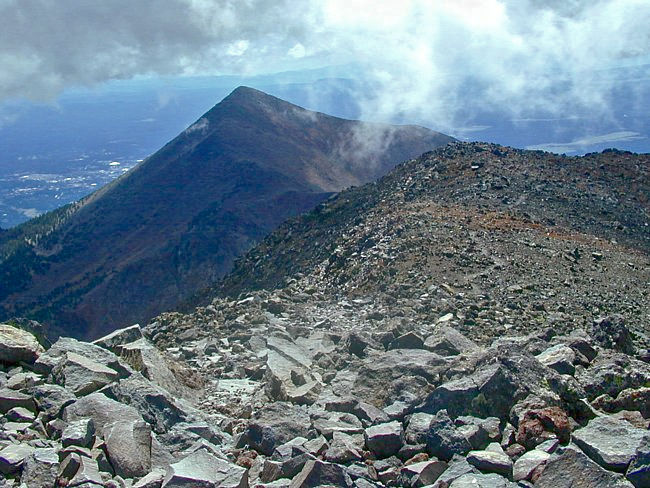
(87,475)
(528,464)
(639,470)
(81,375)
(274,425)
(447,341)
(119,337)
(128,446)
(289,374)
(385,439)
(410,340)
(156,405)
(417,429)
(422,474)
(40,468)
(79,433)
(573,469)
(481,481)
(612,333)
(398,374)
(17,345)
(318,473)
(327,423)
(612,443)
(560,358)
(52,399)
(13,456)
(11,399)
(490,461)
(49,359)
(611,373)
(101,409)
(343,449)
(203,470)
(444,439)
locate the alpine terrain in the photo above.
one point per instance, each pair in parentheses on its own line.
(174,224)
(478,317)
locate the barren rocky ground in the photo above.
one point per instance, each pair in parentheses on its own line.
(479,317)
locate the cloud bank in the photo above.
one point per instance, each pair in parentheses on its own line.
(433,60)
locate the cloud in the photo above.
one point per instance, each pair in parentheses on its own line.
(433,61)
(585,142)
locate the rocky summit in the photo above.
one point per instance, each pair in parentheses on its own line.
(476,318)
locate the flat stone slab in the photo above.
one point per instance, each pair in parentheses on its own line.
(491,461)
(610,442)
(526,465)
(203,470)
(13,456)
(573,469)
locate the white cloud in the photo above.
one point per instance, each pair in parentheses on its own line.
(431,60)
(585,142)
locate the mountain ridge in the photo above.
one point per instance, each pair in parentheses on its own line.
(174,223)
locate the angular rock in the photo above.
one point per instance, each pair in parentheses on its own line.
(490,461)
(612,333)
(52,399)
(444,439)
(528,464)
(410,340)
(288,373)
(417,429)
(327,423)
(343,449)
(612,443)
(539,425)
(457,467)
(40,468)
(447,341)
(274,425)
(55,354)
(156,405)
(573,469)
(11,399)
(639,470)
(613,372)
(79,433)
(384,378)
(631,399)
(20,414)
(101,409)
(385,439)
(17,345)
(128,446)
(481,481)
(202,470)
(146,359)
(152,480)
(422,474)
(13,456)
(560,358)
(81,375)
(87,476)
(119,337)
(319,473)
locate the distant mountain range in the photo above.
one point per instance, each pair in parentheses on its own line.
(175,223)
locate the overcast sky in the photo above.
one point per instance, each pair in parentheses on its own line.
(419,55)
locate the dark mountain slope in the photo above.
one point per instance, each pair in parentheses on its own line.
(175,223)
(535,236)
